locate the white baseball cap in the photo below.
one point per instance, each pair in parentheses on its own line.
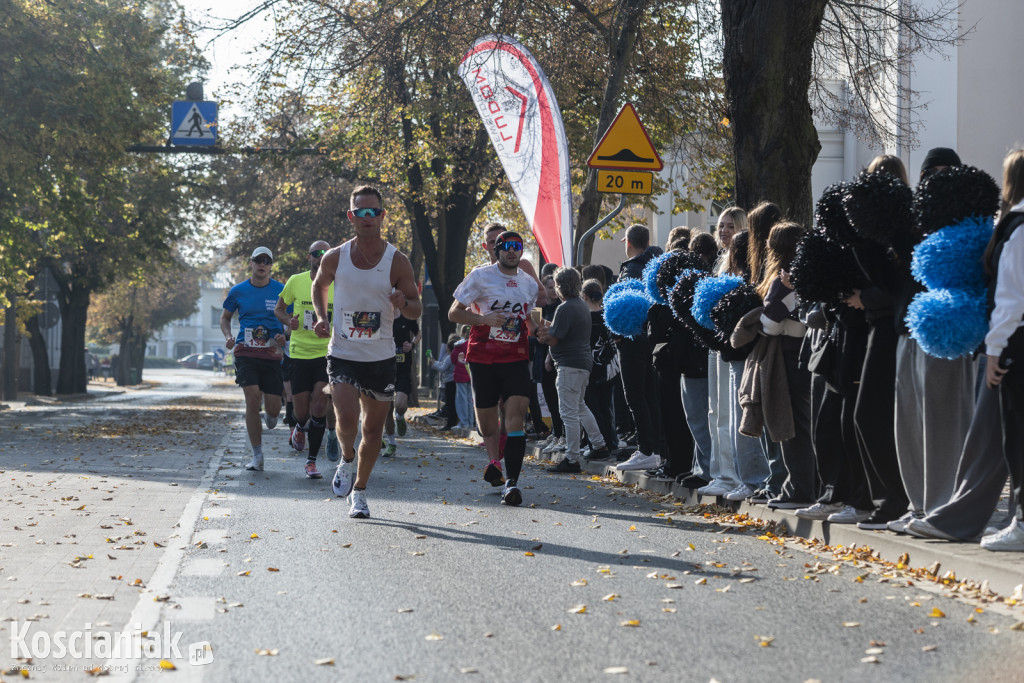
(261,251)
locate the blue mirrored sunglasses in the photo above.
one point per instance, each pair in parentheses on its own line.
(367,213)
(509,245)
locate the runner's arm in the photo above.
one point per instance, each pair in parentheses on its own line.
(225,327)
(289,321)
(460,314)
(321,288)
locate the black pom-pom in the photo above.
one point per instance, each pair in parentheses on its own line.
(823,269)
(680,300)
(830,216)
(879,206)
(731,308)
(674,264)
(953,194)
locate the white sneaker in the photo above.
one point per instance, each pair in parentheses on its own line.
(820,511)
(741,492)
(1010,538)
(713,489)
(256,464)
(639,461)
(555,446)
(358,507)
(270,420)
(849,515)
(344,478)
(899,526)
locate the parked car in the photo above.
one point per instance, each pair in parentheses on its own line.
(197,361)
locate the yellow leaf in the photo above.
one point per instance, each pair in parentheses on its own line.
(254,536)
(936,613)
(556,627)
(245,573)
(579,582)
(529,554)
(691,546)
(578,609)
(630,622)
(273,569)
(167,665)
(701,581)
(632,527)
(610,597)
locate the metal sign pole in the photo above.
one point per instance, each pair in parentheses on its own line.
(597,226)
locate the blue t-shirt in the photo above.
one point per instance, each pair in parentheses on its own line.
(256,320)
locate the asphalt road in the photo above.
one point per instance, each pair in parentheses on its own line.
(587,580)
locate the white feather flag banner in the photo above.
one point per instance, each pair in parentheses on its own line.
(519,110)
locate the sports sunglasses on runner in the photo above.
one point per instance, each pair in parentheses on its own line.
(317,253)
(372,212)
(509,245)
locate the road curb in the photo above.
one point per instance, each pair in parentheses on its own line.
(1003,571)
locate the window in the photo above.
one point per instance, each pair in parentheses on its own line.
(215,317)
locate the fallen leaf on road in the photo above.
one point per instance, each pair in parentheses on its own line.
(610,597)
(434,636)
(529,554)
(326,661)
(273,569)
(254,536)
(936,613)
(616,670)
(578,609)
(851,624)
(263,652)
(404,610)
(579,582)
(929,648)
(701,581)
(632,623)
(245,573)
(167,665)
(556,627)
(870,660)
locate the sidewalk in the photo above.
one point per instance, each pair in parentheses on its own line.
(1004,572)
(94,389)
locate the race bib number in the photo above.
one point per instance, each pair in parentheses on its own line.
(257,337)
(509,332)
(361,326)
(309,319)
(399,357)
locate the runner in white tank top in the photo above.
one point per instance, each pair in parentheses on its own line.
(373,281)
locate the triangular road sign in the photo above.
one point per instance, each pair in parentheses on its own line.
(194,126)
(626,145)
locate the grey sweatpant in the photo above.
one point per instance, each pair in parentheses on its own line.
(934,406)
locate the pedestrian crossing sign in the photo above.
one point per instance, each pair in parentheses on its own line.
(193,123)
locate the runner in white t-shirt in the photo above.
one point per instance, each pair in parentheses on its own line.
(496,300)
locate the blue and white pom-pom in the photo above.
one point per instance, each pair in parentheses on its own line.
(625,309)
(948,324)
(707,293)
(650,276)
(630,285)
(950,258)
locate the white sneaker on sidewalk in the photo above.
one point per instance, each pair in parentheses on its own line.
(849,515)
(1010,538)
(713,489)
(344,478)
(741,492)
(256,464)
(639,461)
(555,446)
(819,511)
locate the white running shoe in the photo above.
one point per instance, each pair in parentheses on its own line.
(256,464)
(639,461)
(344,478)
(1010,538)
(819,511)
(358,507)
(741,492)
(271,420)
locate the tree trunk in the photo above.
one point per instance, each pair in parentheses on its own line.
(10,364)
(42,378)
(767,70)
(74,313)
(623,38)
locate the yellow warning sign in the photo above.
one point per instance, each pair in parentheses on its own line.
(626,146)
(624,182)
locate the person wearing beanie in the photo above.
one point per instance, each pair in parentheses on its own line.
(938,159)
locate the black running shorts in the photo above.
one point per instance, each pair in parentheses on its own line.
(492,382)
(307,372)
(375,379)
(262,372)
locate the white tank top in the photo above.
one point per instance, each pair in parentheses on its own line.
(363,314)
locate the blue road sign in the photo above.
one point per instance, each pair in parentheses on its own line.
(193,123)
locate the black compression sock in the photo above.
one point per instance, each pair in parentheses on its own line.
(515,449)
(315,431)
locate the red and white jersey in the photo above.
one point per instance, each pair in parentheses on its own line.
(487,290)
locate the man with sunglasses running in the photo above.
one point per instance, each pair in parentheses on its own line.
(309,362)
(496,300)
(257,348)
(373,281)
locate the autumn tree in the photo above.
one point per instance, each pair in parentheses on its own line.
(137,305)
(776,55)
(80,80)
